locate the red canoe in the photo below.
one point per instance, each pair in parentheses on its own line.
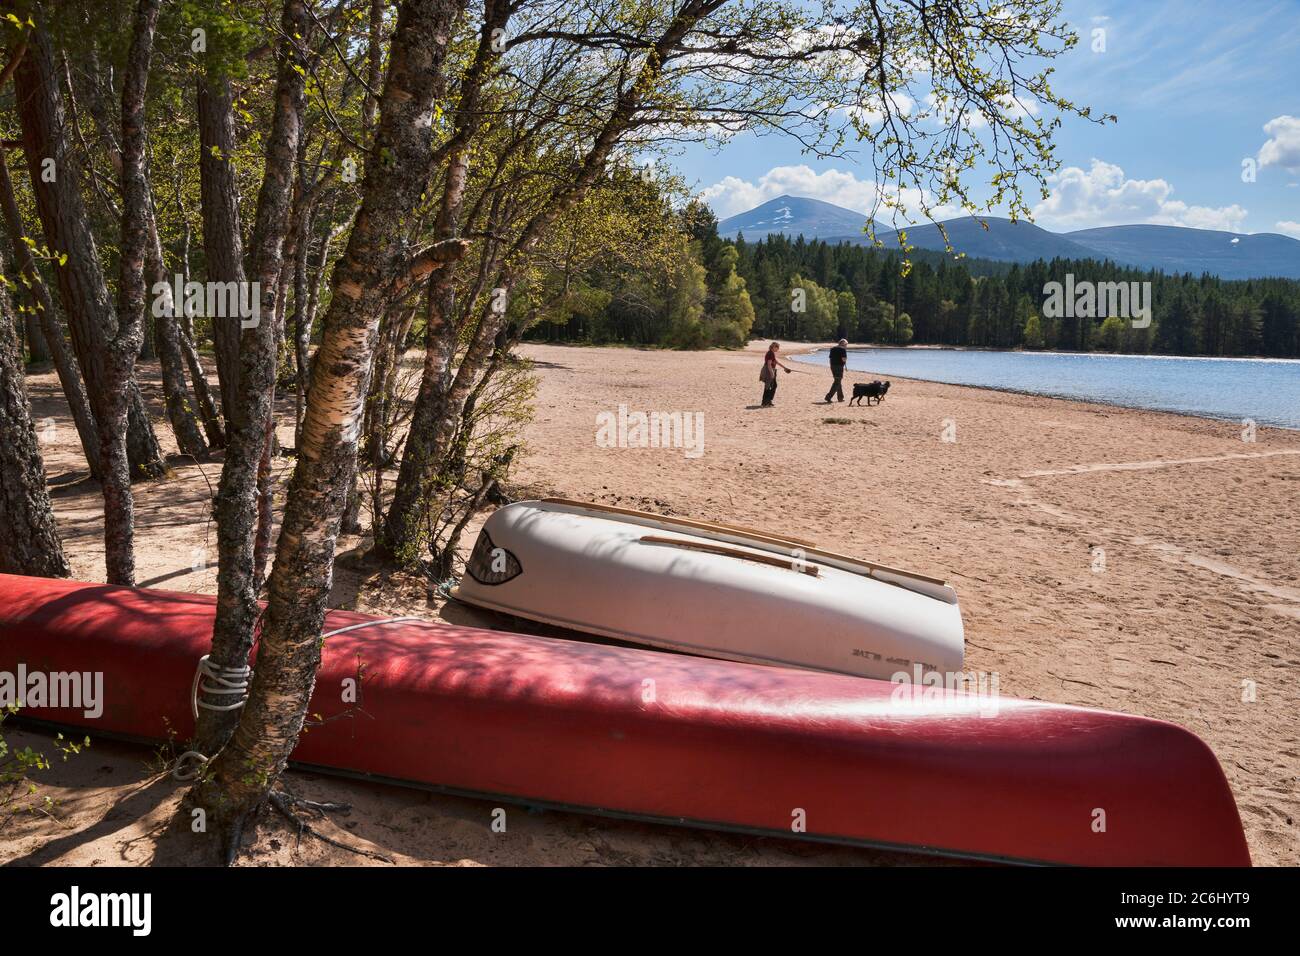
(671,738)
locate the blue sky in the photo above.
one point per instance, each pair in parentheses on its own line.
(1198,87)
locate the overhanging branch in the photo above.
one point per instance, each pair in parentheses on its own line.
(420,266)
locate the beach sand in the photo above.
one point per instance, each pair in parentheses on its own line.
(1135,561)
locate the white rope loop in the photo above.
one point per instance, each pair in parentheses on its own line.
(212,679)
(180,771)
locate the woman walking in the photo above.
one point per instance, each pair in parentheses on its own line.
(768,375)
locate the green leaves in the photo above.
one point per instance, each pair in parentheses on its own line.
(16,768)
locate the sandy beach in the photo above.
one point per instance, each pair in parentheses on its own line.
(1134,561)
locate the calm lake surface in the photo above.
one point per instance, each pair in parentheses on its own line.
(1265,390)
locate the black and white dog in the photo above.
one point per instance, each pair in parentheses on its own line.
(869,390)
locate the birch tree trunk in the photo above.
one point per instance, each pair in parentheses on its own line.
(242,775)
(207,408)
(249,415)
(208,412)
(397,530)
(441,396)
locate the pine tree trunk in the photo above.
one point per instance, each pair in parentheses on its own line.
(37,350)
(223,243)
(167,337)
(199,379)
(124,343)
(29,541)
(207,408)
(241,776)
(66,227)
(65,363)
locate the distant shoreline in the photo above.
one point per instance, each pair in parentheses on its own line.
(804,357)
(804,348)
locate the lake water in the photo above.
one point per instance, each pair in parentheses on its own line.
(1264,390)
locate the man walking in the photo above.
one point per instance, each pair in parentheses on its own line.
(839,356)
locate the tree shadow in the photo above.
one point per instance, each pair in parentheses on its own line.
(150,790)
(67,484)
(168,576)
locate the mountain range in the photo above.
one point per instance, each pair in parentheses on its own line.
(1170,249)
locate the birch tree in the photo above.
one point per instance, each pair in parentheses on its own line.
(239,779)
(249,415)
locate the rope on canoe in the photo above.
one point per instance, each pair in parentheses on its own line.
(353,627)
(213,679)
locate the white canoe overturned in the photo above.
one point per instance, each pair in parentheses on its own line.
(711,590)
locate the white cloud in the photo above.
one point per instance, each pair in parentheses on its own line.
(1010,107)
(1288,228)
(871,111)
(1283,146)
(733,195)
(1103,196)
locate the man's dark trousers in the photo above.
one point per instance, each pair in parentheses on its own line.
(838,387)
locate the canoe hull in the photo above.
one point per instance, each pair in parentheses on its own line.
(668,587)
(669,737)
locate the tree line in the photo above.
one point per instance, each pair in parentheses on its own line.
(939,301)
(812,290)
